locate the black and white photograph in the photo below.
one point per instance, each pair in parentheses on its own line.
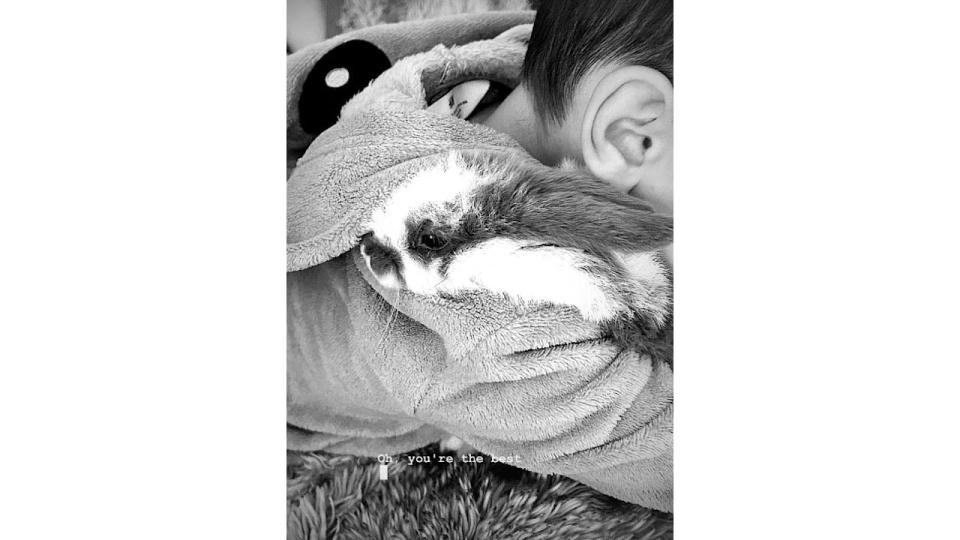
(536,269)
(480,275)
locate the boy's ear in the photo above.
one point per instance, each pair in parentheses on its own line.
(627,132)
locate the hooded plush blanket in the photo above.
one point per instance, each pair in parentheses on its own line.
(373,371)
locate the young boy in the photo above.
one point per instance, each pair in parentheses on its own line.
(367,377)
(597,88)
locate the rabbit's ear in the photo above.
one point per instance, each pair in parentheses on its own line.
(621,222)
(574,209)
(644,231)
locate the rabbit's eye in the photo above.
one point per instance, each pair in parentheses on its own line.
(431,241)
(427,238)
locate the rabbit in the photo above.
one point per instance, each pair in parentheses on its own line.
(531,233)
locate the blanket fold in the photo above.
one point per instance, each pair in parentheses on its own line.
(374,371)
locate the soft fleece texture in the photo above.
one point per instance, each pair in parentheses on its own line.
(372,371)
(396,41)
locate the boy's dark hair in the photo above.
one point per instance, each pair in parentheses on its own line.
(572,36)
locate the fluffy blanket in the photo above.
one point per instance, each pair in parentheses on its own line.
(373,372)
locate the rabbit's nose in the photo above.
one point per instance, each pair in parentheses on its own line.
(382,259)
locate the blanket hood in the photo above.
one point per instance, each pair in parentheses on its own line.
(383,137)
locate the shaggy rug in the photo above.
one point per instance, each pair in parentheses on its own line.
(331,496)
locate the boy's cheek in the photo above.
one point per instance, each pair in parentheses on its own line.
(659,197)
(667,254)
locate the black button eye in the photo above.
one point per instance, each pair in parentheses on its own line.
(341,73)
(431,241)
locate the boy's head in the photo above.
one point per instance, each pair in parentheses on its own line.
(597,87)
